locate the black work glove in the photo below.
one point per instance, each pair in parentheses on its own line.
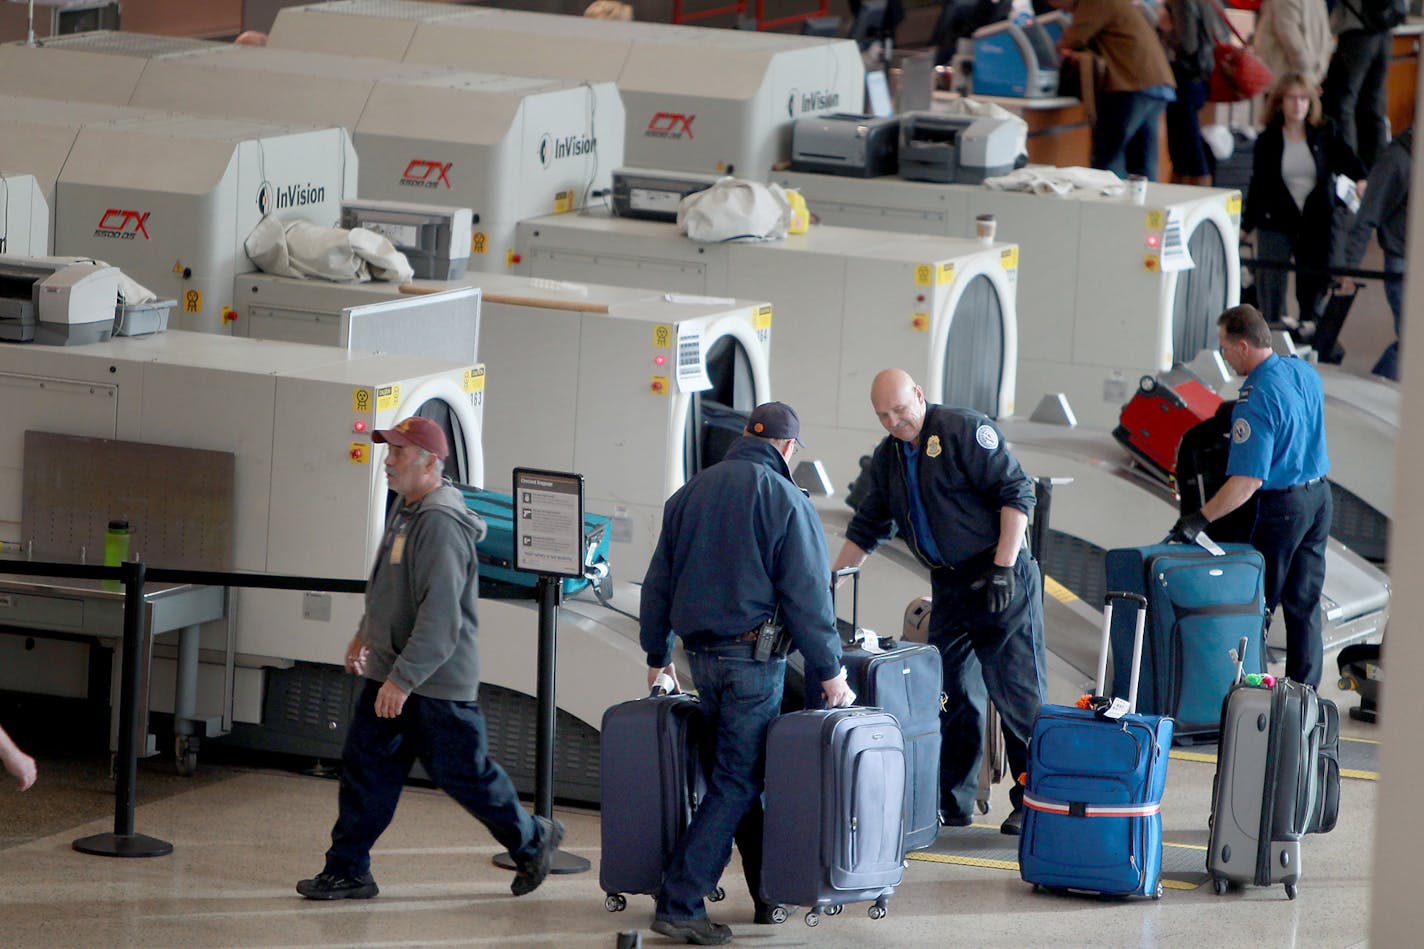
(999,586)
(1187,528)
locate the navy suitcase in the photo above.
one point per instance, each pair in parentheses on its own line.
(651,775)
(1092,806)
(906,680)
(498,578)
(1199,605)
(835,788)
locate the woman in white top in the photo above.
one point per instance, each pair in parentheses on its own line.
(1290,203)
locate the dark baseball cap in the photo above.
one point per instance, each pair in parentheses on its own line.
(418,431)
(774,420)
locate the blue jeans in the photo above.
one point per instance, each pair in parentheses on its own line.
(1125,133)
(1388,364)
(1000,655)
(740,698)
(449,739)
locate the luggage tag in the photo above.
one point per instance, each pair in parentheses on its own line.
(1103,706)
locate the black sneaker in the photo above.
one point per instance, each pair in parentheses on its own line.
(947,819)
(1013,824)
(698,932)
(532,872)
(329,886)
(770,914)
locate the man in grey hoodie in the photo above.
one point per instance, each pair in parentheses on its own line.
(417,647)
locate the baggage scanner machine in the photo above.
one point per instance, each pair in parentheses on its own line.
(507,147)
(1098,304)
(310,493)
(635,391)
(848,303)
(697,99)
(171,199)
(24,216)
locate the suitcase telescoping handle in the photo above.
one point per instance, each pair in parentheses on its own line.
(854,574)
(1108,601)
(1240,656)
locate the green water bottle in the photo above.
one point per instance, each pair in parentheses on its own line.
(116,548)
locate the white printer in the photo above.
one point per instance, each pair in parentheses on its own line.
(956,149)
(56,300)
(844,143)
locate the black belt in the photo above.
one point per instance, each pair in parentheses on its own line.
(1295,487)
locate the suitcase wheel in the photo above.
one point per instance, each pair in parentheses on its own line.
(779,914)
(1220,885)
(1290,891)
(877,909)
(813,918)
(615,902)
(834,910)
(717,895)
(1157,893)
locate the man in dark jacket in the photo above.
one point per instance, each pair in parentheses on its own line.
(740,545)
(417,648)
(945,482)
(1385,207)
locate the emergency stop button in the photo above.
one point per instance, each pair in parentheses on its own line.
(360,453)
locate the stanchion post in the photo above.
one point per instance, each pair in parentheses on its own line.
(123,842)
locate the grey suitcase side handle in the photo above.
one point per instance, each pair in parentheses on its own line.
(1108,602)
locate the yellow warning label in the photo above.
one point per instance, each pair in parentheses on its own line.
(474,380)
(510,258)
(762,319)
(177,266)
(563,202)
(1009,258)
(1155,220)
(387,397)
(920,322)
(944,274)
(662,336)
(361,401)
(1233,204)
(659,385)
(192,301)
(924,275)
(360,453)
(1151,263)
(479,242)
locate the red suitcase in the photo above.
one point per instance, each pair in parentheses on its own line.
(1153,422)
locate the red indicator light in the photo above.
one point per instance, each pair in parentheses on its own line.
(359,426)
(920,298)
(1153,240)
(660,360)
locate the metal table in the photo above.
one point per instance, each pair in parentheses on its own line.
(82,609)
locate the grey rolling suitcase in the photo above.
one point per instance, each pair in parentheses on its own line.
(1267,789)
(835,791)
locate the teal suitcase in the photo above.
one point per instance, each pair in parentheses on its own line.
(499,579)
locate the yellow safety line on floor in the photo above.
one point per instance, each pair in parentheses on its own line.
(1192,756)
(1356,773)
(1058,591)
(1013,865)
(1363,741)
(1362,775)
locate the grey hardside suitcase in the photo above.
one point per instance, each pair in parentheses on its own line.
(1264,799)
(835,791)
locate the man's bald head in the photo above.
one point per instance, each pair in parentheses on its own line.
(898,403)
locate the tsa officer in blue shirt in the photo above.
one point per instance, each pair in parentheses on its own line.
(1278,455)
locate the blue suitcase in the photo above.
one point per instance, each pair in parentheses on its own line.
(1092,806)
(835,792)
(1199,606)
(498,578)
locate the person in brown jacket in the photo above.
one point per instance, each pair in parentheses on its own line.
(1134,88)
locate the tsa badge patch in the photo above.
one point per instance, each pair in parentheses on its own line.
(986,437)
(1240,430)
(932,447)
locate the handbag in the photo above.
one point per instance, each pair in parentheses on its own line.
(1238,73)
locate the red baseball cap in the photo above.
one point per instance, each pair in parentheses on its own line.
(418,431)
